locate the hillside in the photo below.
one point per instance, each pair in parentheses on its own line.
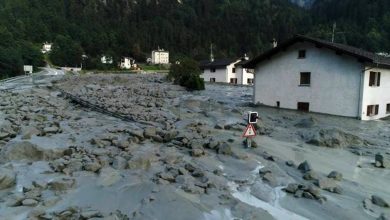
(185,28)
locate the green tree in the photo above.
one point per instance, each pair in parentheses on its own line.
(187,74)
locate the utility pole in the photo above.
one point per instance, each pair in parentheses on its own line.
(333,31)
(211,53)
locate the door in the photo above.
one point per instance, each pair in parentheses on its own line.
(303,106)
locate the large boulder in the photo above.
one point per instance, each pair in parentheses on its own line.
(333,137)
(225,149)
(25,150)
(7,178)
(335,175)
(377,200)
(304,167)
(108,176)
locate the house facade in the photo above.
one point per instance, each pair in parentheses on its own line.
(226,71)
(106,60)
(127,63)
(313,75)
(46,47)
(160,56)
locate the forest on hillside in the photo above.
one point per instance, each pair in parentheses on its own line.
(184,27)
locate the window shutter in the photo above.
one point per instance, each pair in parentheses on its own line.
(379,79)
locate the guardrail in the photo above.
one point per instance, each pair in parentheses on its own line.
(95,107)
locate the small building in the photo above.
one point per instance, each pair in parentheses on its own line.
(226,71)
(314,75)
(160,56)
(106,60)
(46,47)
(127,63)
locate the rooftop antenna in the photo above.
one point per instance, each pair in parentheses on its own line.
(211,53)
(334,31)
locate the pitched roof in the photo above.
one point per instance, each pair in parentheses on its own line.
(217,63)
(363,55)
(242,62)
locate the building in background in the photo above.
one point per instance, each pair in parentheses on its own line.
(127,63)
(160,56)
(106,60)
(46,47)
(226,71)
(314,75)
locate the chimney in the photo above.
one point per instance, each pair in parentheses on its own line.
(274,43)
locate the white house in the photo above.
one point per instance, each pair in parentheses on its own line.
(226,71)
(106,60)
(127,63)
(313,75)
(46,47)
(160,56)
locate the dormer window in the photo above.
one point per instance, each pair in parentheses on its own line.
(301,54)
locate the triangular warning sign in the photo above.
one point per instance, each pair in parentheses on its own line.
(249,131)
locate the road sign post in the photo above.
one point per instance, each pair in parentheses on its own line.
(249,133)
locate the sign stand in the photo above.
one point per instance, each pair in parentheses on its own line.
(249,133)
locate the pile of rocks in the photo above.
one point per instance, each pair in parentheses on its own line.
(305,191)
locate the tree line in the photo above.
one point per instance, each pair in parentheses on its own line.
(186,28)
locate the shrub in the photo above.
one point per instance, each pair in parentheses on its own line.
(187,74)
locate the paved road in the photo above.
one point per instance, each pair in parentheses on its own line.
(45,76)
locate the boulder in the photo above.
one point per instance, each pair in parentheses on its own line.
(225,149)
(61,184)
(30,202)
(25,150)
(197,152)
(380,161)
(7,178)
(28,132)
(326,184)
(4,135)
(290,163)
(291,188)
(304,167)
(307,195)
(108,176)
(306,123)
(310,175)
(119,163)
(335,175)
(92,166)
(377,200)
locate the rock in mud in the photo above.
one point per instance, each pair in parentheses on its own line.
(335,175)
(197,152)
(377,200)
(310,175)
(304,167)
(61,184)
(27,151)
(7,178)
(326,184)
(380,161)
(119,163)
(291,188)
(108,176)
(30,202)
(334,138)
(290,163)
(225,149)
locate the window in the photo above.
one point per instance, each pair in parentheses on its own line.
(388,108)
(234,70)
(302,54)
(212,79)
(372,110)
(305,79)
(249,81)
(233,80)
(278,104)
(303,106)
(212,70)
(375,79)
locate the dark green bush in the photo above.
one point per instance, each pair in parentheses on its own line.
(187,74)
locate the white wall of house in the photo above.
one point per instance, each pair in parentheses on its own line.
(243,75)
(230,74)
(220,75)
(126,63)
(335,81)
(160,57)
(376,95)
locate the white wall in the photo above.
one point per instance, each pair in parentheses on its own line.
(160,57)
(335,81)
(243,75)
(220,75)
(231,74)
(376,95)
